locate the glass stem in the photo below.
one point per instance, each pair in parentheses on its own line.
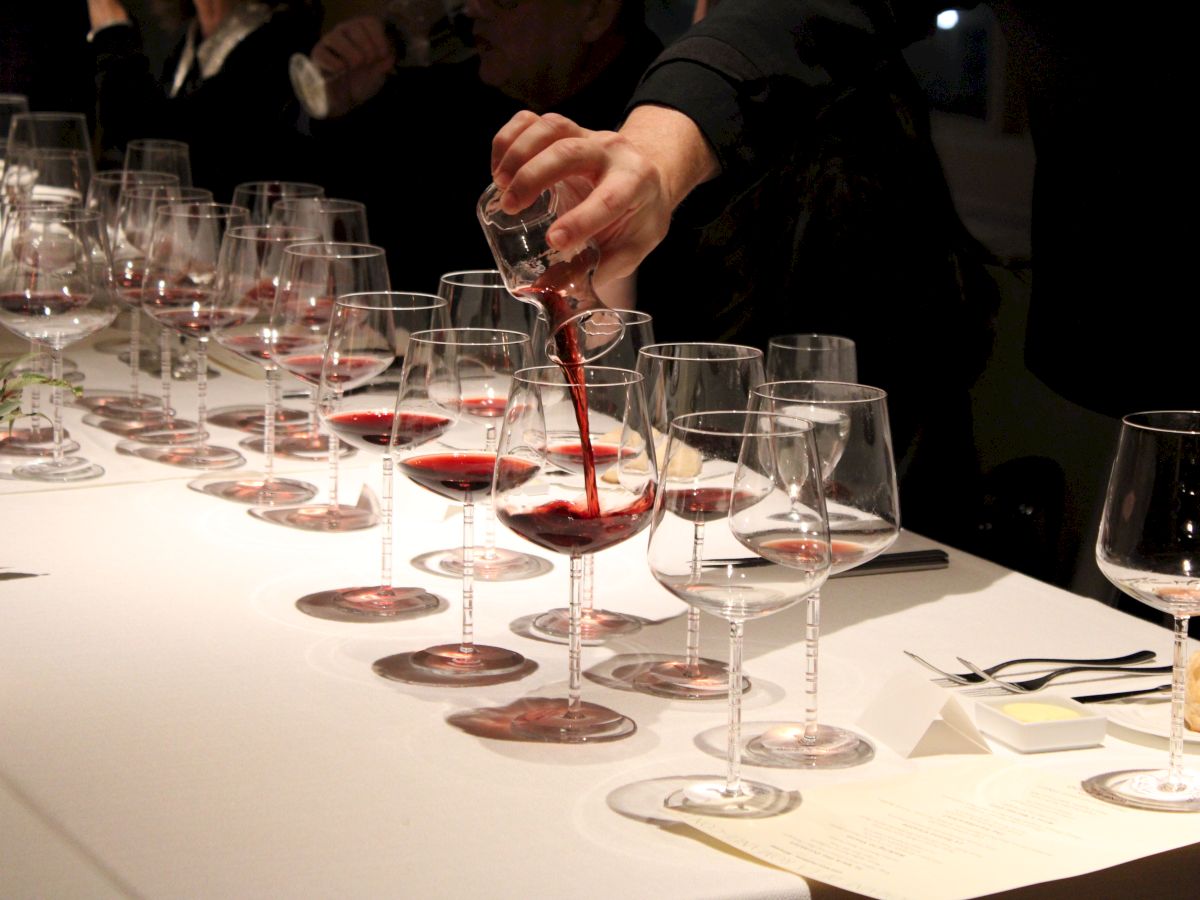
(56,372)
(733,747)
(692,657)
(35,394)
(135,352)
(574,641)
(812,633)
(1175,780)
(201,387)
(385,577)
(335,450)
(588,586)
(468,575)
(269,422)
(164,364)
(489,515)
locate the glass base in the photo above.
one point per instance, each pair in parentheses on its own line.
(175,431)
(303,445)
(414,668)
(72,468)
(748,800)
(368,604)
(256,490)
(1148,789)
(594,624)
(129,428)
(119,404)
(250,418)
(780,745)
(319,517)
(33,441)
(556,723)
(505,565)
(709,680)
(187,456)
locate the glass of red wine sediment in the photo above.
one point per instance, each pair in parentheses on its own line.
(766,466)
(455,386)
(312,276)
(370,334)
(574,511)
(854,444)
(684,378)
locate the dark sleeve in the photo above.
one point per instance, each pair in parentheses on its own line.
(756,73)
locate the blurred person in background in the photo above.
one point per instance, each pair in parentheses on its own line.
(224,89)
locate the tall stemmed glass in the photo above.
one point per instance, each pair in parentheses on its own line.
(680,379)
(160,155)
(336,219)
(311,278)
(57,289)
(10,105)
(574,512)
(1148,548)
(621,334)
(455,380)
(478,299)
(180,292)
(763,470)
(854,442)
(248,277)
(370,333)
(811,357)
(260,197)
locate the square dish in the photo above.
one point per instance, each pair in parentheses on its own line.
(1040,724)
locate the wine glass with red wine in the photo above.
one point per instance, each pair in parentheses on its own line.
(311,278)
(763,469)
(248,276)
(854,445)
(368,338)
(686,378)
(455,388)
(576,509)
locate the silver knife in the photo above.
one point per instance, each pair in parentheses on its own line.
(1121,695)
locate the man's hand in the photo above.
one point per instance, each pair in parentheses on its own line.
(357,56)
(626,183)
(103,13)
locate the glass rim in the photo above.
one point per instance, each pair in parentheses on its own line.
(325,204)
(796,424)
(1130,420)
(356,300)
(877,394)
(529,375)
(780,340)
(253,233)
(271,183)
(199,209)
(156,142)
(68,212)
(146,191)
(458,278)
(335,249)
(159,179)
(658,351)
(510,337)
(49,115)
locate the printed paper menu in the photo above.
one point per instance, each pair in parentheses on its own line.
(974,828)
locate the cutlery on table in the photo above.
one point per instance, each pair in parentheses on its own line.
(1036,684)
(972,678)
(1121,695)
(900,561)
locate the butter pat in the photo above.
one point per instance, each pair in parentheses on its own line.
(1042,725)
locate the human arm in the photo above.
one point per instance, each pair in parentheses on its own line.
(102,13)
(357,56)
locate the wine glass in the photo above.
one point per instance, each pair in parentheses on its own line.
(47,173)
(456,382)
(334,218)
(369,333)
(107,188)
(811,357)
(311,277)
(680,379)
(1147,547)
(621,334)
(10,105)
(574,511)
(56,289)
(160,155)
(854,444)
(179,291)
(260,197)
(248,277)
(753,481)
(478,299)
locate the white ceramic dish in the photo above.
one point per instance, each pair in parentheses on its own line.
(1084,727)
(1152,717)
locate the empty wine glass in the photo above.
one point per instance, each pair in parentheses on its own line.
(160,155)
(574,511)
(107,187)
(1147,548)
(685,378)
(455,381)
(854,444)
(180,292)
(47,173)
(260,197)
(754,482)
(811,357)
(247,278)
(56,289)
(312,276)
(10,105)
(335,219)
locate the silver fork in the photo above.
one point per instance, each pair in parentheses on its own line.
(1036,684)
(972,678)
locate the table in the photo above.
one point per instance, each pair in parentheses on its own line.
(174,727)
